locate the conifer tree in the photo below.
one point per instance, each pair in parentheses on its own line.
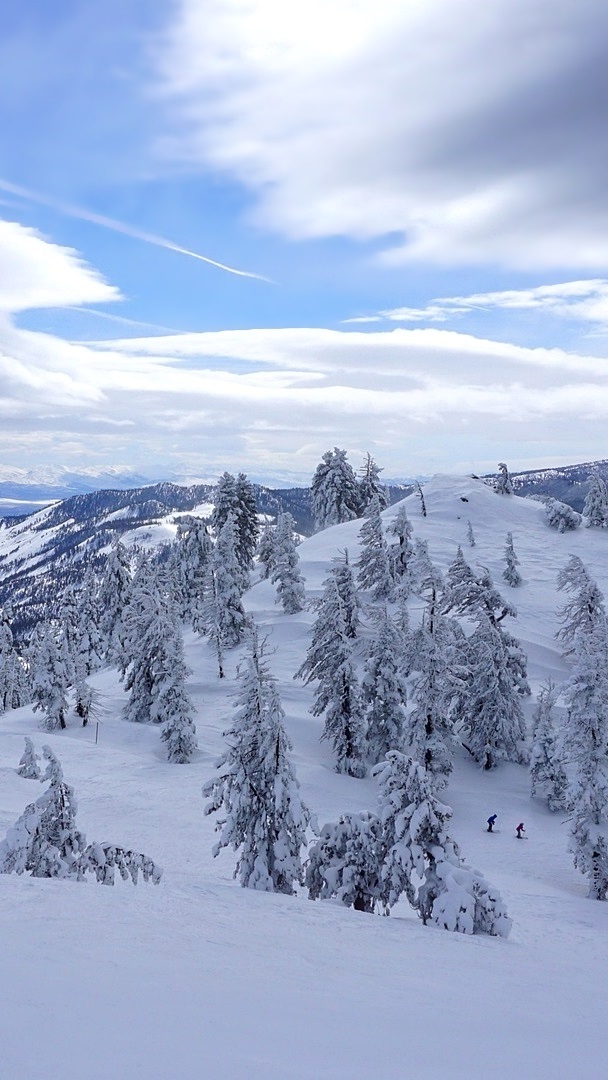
(421,859)
(190,560)
(370,485)
(346,862)
(470,535)
(503,484)
(428,735)
(329,662)
(401,552)
(157,672)
(265,552)
(236,497)
(384,688)
(334,491)
(585,609)
(560,516)
(28,763)
(595,510)
(374,565)
(257,793)
(510,573)
(14,688)
(286,567)
(112,599)
(347,591)
(50,679)
(587,750)
(229,585)
(548,778)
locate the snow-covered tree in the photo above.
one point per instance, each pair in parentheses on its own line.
(46,843)
(585,609)
(560,516)
(374,564)
(28,763)
(423,862)
(247,524)
(112,600)
(401,552)
(224,501)
(190,558)
(50,679)
(510,573)
(487,706)
(329,662)
(470,535)
(346,862)
(595,510)
(548,778)
(371,486)
(503,484)
(286,567)
(265,552)
(257,792)
(428,735)
(14,687)
(334,490)
(384,688)
(342,574)
(587,751)
(157,672)
(229,585)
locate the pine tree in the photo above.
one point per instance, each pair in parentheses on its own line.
(265,552)
(429,736)
(190,560)
(470,535)
(349,598)
(587,749)
(510,573)
(236,497)
(286,567)
(548,778)
(503,484)
(581,614)
(224,501)
(595,510)
(560,516)
(374,565)
(422,861)
(28,763)
(370,485)
(50,679)
(157,672)
(14,689)
(171,703)
(112,599)
(257,790)
(384,689)
(334,491)
(346,862)
(229,586)
(401,552)
(329,661)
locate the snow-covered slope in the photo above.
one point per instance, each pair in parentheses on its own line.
(200,978)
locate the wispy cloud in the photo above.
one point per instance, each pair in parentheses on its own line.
(584,301)
(466,133)
(121,227)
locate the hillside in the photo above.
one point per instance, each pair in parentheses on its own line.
(198,977)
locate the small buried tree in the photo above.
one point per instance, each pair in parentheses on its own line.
(46,843)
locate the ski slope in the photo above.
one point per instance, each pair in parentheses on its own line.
(198,978)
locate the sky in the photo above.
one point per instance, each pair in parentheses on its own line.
(237,233)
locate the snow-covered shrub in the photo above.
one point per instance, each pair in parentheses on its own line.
(560,516)
(28,763)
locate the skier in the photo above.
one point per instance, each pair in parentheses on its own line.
(520,830)
(491,821)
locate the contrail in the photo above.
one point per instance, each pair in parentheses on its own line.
(121,227)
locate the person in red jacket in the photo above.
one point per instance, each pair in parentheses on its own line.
(520,831)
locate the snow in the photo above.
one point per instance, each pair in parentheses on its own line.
(197,977)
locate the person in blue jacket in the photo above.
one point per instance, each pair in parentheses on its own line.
(491,821)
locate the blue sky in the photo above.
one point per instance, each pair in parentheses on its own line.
(407,201)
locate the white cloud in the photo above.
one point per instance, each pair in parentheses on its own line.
(475,131)
(38,274)
(584,301)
